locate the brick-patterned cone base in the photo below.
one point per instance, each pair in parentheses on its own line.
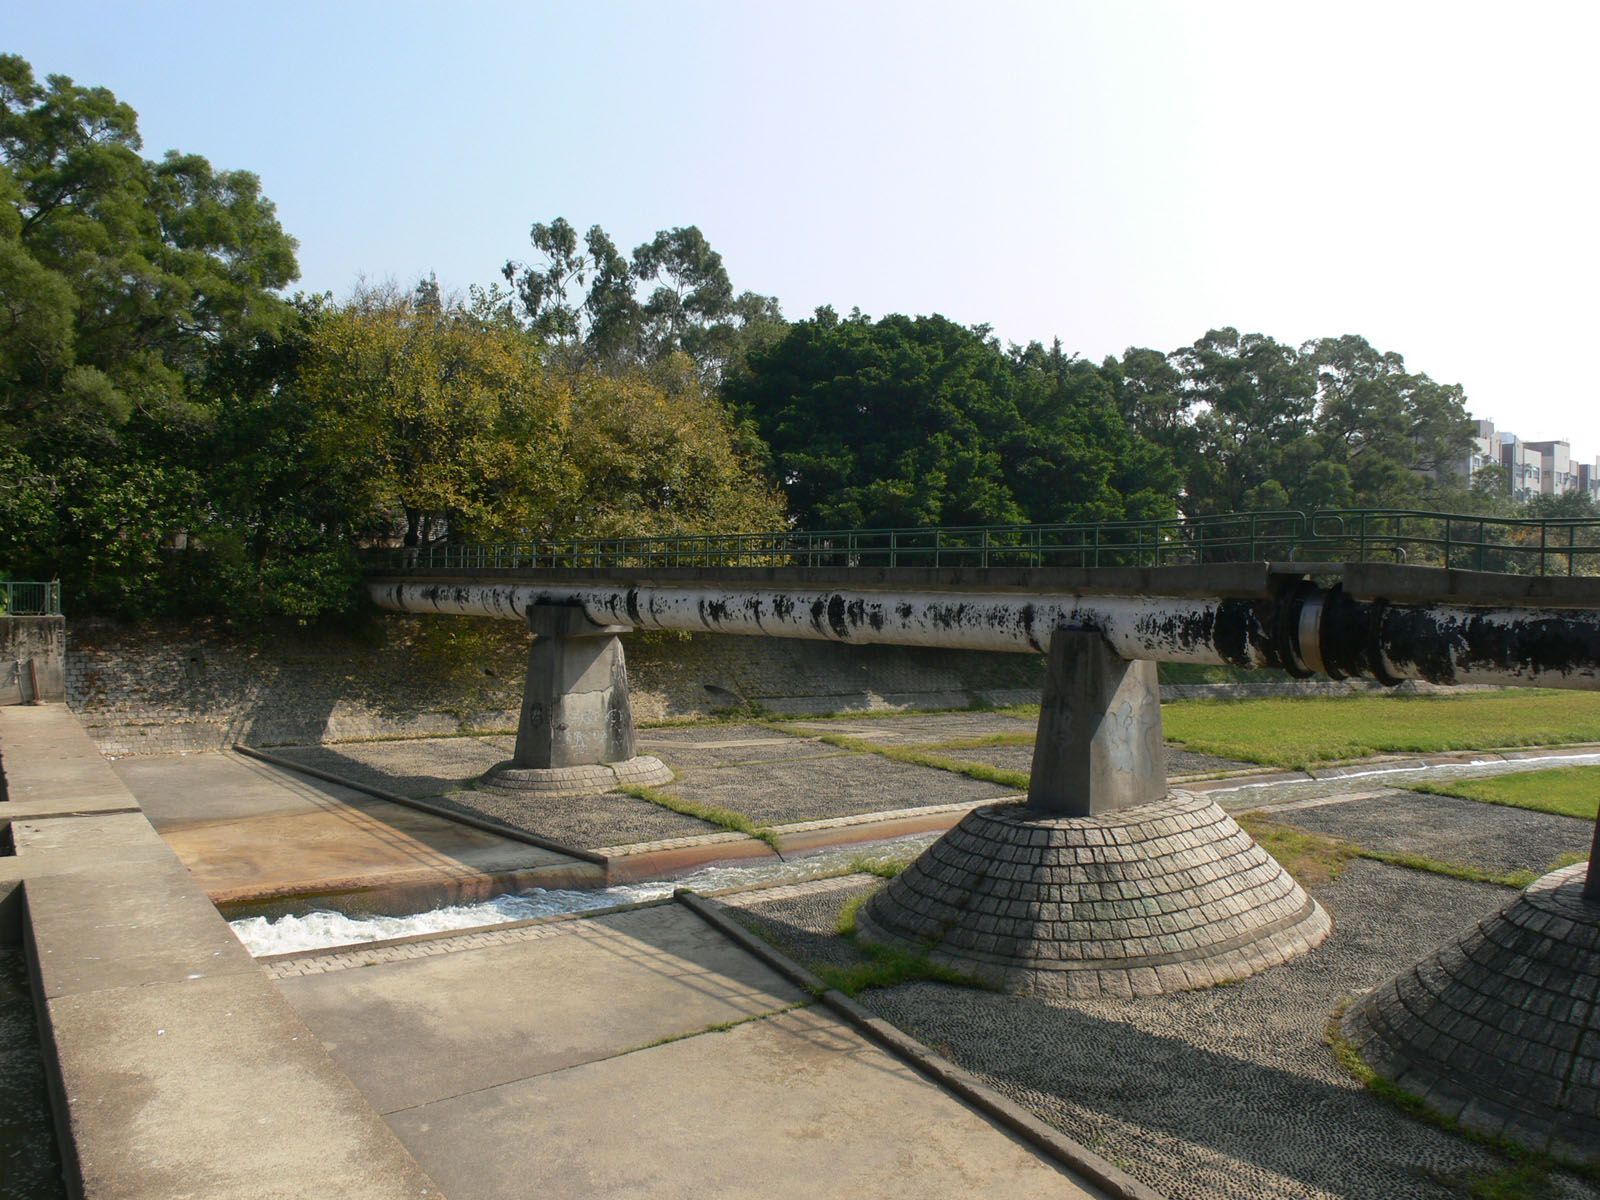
(587,780)
(1142,900)
(1500,1028)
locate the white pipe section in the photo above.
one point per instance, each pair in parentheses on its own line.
(1169,629)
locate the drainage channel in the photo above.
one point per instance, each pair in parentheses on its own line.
(317,929)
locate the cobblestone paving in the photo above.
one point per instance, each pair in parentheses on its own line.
(1490,837)
(1225,1093)
(413,767)
(1523,983)
(729,745)
(586,822)
(808,788)
(1153,898)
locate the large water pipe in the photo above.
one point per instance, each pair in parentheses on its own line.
(1302,628)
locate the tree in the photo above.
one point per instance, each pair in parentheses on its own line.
(1395,434)
(124,283)
(436,412)
(919,421)
(1255,400)
(586,304)
(656,453)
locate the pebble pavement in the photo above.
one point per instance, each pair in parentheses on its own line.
(1229,1092)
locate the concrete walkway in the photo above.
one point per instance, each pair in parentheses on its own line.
(178,1070)
(638,1054)
(251,832)
(642,1053)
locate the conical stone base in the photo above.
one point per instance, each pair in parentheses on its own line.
(1141,900)
(1500,1028)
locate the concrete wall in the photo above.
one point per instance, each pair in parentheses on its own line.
(165,688)
(32,659)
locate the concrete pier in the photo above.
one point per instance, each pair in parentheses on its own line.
(1099,745)
(575,734)
(1103,883)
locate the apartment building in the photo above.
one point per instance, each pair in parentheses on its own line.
(1544,468)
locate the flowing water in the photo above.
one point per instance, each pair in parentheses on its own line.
(319,930)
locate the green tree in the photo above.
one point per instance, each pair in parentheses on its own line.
(124,283)
(1395,434)
(919,421)
(585,301)
(1255,400)
(436,413)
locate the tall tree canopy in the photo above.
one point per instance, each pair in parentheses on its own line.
(126,287)
(1256,424)
(442,414)
(919,421)
(586,301)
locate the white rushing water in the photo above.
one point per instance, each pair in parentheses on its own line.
(319,930)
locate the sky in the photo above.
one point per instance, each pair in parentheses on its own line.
(1117,173)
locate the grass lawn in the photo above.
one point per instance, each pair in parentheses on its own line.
(1565,791)
(1302,730)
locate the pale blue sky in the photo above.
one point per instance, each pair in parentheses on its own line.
(1115,174)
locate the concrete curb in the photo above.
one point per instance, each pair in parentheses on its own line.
(505,831)
(1009,1115)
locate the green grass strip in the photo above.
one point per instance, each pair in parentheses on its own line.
(1561,791)
(1511,879)
(723,818)
(886,966)
(980,743)
(1015,780)
(1299,731)
(1314,858)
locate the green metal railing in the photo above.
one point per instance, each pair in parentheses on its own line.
(23,599)
(1506,545)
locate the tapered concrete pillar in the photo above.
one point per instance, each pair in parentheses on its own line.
(1099,746)
(575,735)
(1103,883)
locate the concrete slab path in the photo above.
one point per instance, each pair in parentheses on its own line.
(638,1054)
(177,1070)
(249,831)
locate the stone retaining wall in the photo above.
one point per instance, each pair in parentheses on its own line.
(163,688)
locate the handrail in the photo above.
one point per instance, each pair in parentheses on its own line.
(23,598)
(1508,545)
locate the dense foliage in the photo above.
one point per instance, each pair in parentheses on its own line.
(921,422)
(178,435)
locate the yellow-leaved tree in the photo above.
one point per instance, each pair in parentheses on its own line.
(441,414)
